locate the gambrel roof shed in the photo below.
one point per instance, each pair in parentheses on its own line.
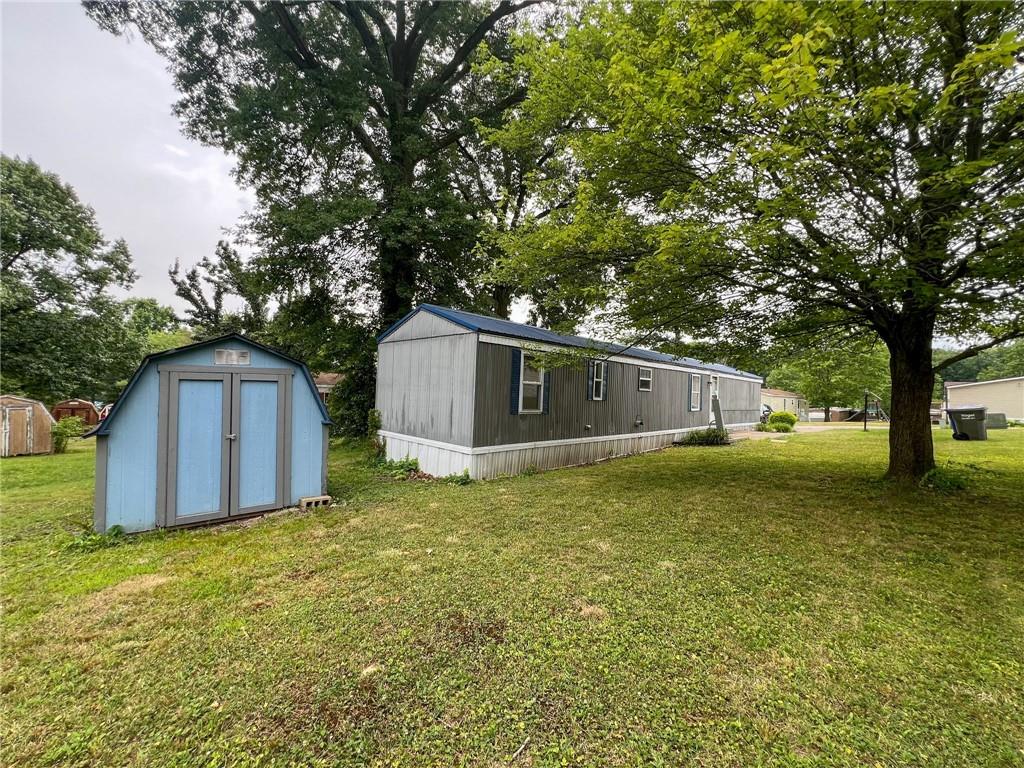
(209,431)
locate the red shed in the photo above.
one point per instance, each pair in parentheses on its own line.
(83,408)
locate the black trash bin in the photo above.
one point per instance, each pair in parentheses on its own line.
(968,422)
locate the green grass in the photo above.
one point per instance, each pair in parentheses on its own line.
(769,603)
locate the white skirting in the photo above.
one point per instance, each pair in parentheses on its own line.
(442,459)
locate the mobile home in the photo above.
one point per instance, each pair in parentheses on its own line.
(463,392)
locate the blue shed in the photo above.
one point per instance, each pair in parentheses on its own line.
(210,431)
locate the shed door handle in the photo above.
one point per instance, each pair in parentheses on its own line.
(231,437)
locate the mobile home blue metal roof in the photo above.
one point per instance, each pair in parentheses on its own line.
(494,325)
(103,428)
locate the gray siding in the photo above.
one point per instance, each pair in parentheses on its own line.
(425,385)
(740,401)
(424,325)
(570,412)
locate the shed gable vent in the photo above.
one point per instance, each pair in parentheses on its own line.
(231,357)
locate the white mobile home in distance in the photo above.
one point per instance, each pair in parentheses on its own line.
(461,392)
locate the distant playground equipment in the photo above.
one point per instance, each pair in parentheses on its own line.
(872,410)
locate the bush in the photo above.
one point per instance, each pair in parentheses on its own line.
(64,430)
(90,541)
(463,479)
(783,417)
(709,436)
(399,468)
(376,447)
(354,394)
(762,427)
(780,427)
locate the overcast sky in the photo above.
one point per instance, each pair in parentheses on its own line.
(96,110)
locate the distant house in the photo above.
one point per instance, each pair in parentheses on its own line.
(999,395)
(464,392)
(325,383)
(781,400)
(84,409)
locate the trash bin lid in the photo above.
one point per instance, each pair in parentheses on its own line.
(959,408)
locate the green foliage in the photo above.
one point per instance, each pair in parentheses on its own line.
(783,417)
(782,171)
(762,427)
(91,541)
(63,333)
(460,479)
(709,436)
(353,397)
(64,430)
(835,376)
(350,120)
(398,469)
(376,447)
(780,426)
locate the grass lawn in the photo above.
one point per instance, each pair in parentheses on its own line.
(767,603)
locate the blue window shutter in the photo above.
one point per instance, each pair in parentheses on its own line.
(590,379)
(517,362)
(547,391)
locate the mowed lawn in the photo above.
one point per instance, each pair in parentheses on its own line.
(767,603)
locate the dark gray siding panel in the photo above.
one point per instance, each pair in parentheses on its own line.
(571,411)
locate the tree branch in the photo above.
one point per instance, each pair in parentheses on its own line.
(978,348)
(438,84)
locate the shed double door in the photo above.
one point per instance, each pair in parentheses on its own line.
(226,445)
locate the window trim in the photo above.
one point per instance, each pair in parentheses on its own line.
(602,366)
(695,377)
(640,379)
(523,360)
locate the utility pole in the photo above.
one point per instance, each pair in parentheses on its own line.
(865,410)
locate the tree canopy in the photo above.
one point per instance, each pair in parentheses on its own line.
(64,334)
(768,172)
(347,119)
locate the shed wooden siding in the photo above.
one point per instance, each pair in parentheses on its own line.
(665,407)
(425,385)
(131,458)
(19,414)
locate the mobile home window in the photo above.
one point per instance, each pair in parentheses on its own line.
(646,380)
(597,390)
(694,391)
(531,390)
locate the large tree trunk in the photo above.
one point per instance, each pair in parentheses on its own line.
(911,453)
(397,281)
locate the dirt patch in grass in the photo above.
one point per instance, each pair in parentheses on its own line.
(460,630)
(592,612)
(136,585)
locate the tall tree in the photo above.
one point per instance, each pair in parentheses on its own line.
(63,333)
(344,117)
(778,170)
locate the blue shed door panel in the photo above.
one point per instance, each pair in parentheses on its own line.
(200,446)
(257,443)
